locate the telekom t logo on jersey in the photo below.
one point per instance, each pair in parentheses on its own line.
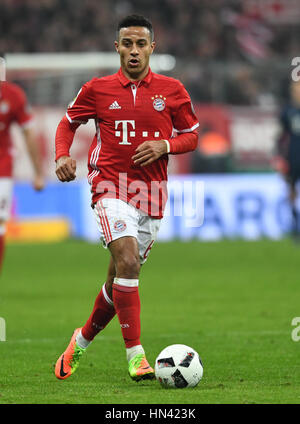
(127,128)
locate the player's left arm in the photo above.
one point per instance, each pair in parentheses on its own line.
(149,151)
(186,126)
(185,123)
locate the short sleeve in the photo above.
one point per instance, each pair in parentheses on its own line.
(184,118)
(83,107)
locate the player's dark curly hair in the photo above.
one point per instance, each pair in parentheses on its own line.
(135,20)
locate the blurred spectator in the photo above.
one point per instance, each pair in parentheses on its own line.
(206,36)
(193,28)
(241,87)
(213,154)
(288,150)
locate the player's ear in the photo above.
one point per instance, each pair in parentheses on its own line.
(117,46)
(153,44)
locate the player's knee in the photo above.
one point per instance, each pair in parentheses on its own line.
(128,266)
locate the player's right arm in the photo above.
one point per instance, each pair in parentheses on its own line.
(65,165)
(79,112)
(66,168)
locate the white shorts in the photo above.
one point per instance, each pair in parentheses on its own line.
(6,188)
(118,219)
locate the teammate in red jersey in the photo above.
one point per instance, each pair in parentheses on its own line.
(13,108)
(136,112)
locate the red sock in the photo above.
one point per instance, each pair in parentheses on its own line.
(101,315)
(127,305)
(2,247)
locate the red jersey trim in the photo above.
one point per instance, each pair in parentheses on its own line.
(188,129)
(74,121)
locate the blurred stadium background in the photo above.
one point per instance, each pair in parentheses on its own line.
(234,57)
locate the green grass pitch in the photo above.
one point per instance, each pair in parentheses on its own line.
(232,301)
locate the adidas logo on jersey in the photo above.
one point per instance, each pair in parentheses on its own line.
(115,105)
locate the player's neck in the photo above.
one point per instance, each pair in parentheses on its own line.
(136,77)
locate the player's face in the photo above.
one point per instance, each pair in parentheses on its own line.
(134,47)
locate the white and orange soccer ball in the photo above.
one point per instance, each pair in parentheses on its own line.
(178,366)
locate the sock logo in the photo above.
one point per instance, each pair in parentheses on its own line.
(98,327)
(62,373)
(124,325)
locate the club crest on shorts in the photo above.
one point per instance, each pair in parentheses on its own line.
(159,102)
(120,225)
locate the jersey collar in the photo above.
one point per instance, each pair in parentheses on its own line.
(125,81)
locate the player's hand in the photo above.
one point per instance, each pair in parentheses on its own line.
(149,151)
(66,169)
(280,165)
(38,183)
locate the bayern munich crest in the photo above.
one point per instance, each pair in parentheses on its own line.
(159,102)
(120,225)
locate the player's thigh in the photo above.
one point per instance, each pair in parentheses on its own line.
(147,235)
(125,254)
(6,188)
(116,219)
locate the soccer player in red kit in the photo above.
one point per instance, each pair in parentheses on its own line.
(13,108)
(136,112)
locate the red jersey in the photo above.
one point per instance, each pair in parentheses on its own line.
(13,108)
(127,114)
